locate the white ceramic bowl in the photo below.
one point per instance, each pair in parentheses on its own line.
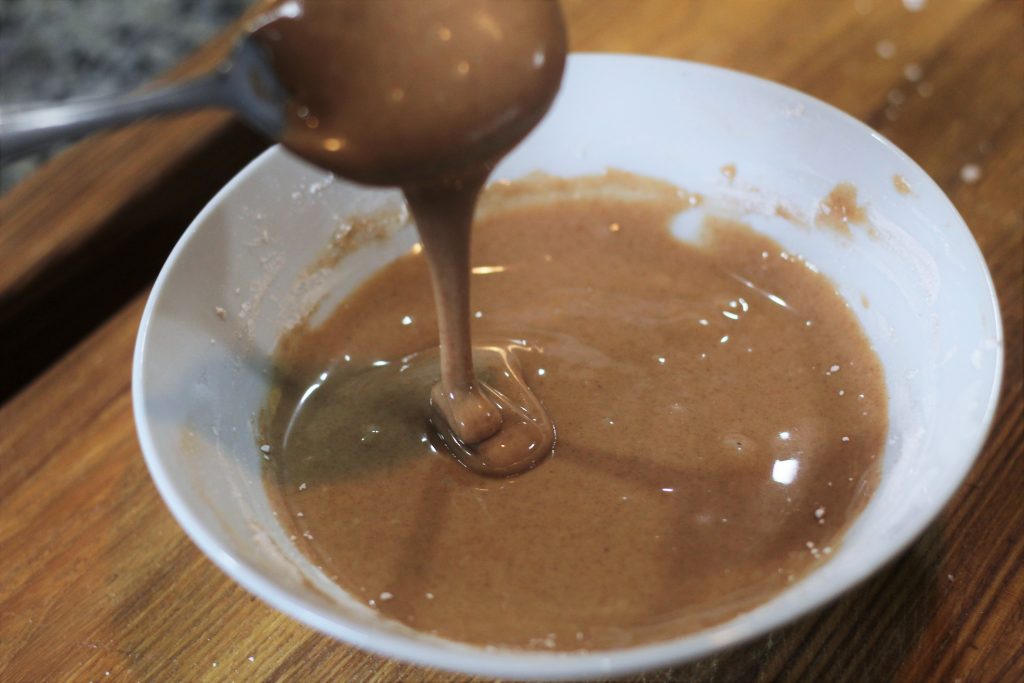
(199,379)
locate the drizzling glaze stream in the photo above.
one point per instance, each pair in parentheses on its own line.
(428,96)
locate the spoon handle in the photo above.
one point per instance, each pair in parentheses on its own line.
(23,130)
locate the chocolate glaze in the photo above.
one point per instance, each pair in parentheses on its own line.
(720,422)
(426,95)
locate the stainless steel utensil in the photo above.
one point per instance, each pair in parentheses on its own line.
(244,83)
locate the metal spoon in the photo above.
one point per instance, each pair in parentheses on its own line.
(244,83)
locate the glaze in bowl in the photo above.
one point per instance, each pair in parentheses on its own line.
(242,273)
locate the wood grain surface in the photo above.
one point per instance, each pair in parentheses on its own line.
(98,583)
(81,236)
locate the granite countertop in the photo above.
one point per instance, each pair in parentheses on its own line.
(53,50)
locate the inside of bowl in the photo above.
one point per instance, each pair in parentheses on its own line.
(242,275)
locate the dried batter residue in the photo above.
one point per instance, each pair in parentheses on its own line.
(901,184)
(839,210)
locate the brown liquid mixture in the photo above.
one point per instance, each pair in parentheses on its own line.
(428,95)
(720,422)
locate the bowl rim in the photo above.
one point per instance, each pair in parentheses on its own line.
(548,665)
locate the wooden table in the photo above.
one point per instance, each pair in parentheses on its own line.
(97,582)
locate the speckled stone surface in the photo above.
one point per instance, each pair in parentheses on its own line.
(52,50)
